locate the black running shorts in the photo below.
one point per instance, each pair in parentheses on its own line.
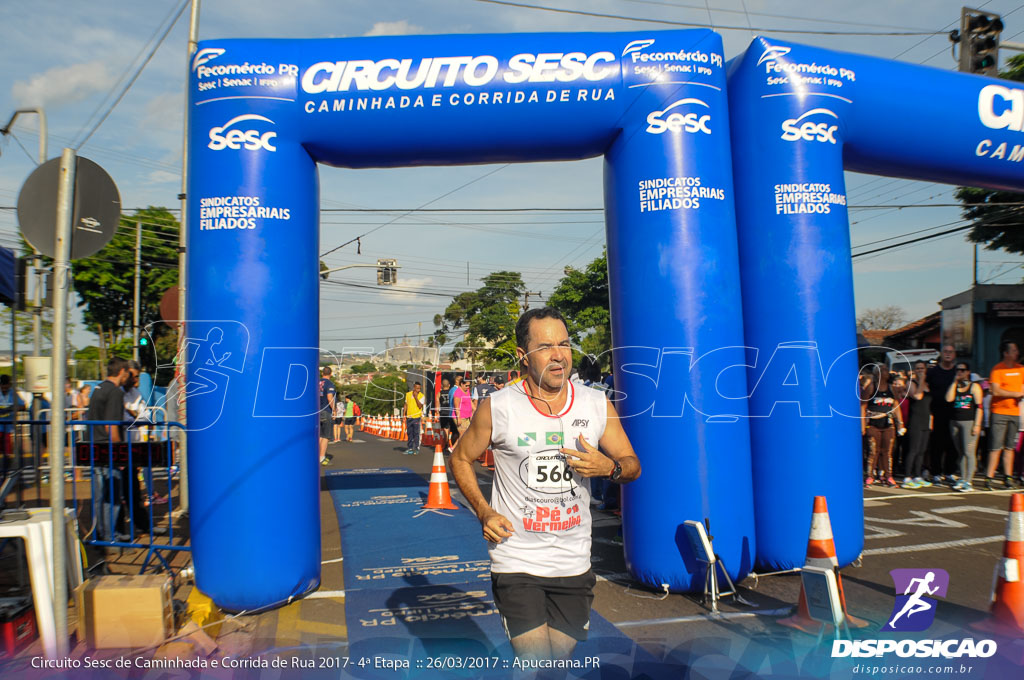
(326,428)
(527,602)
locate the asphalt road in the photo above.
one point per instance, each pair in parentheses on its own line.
(962,533)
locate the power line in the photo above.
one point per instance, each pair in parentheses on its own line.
(124,74)
(433,200)
(134,77)
(691,24)
(762,14)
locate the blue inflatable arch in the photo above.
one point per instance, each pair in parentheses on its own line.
(800,115)
(265,112)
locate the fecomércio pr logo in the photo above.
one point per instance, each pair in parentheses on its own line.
(917,591)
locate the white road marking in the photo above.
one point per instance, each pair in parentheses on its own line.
(326,594)
(879,532)
(920,518)
(704,617)
(933,546)
(971,508)
(337,559)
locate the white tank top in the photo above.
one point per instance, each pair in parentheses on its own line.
(547,503)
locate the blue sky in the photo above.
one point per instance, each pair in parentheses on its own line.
(68,57)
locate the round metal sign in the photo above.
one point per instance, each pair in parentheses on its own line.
(96,213)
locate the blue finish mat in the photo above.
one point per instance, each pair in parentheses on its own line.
(418,590)
(386,536)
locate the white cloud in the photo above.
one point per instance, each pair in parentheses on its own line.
(402,27)
(162,176)
(63,85)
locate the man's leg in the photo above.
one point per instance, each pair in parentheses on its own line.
(535,644)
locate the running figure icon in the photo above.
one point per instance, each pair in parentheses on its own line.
(915,604)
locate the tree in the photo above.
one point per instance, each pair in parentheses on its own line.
(582,298)
(487,317)
(105,281)
(380,397)
(881,318)
(997,226)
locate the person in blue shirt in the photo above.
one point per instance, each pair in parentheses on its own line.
(10,404)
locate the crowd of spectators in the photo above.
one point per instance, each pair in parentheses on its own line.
(943,423)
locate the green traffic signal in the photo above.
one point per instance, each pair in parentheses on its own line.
(143,342)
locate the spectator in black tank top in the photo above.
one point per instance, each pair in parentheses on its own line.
(965,398)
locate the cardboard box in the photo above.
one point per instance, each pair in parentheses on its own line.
(118,612)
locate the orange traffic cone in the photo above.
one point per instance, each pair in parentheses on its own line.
(821,552)
(488,459)
(1007,614)
(438,496)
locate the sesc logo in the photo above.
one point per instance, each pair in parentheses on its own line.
(206,54)
(224,137)
(793,129)
(658,124)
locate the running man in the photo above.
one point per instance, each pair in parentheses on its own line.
(549,437)
(915,604)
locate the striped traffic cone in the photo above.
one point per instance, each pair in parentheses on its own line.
(487,460)
(821,552)
(1006,616)
(439,495)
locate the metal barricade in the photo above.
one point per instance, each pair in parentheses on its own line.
(113,470)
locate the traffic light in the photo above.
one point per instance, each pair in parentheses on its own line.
(387,272)
(978,36)
(21,284)
(143,343)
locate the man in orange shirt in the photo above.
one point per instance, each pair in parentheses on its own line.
(1007,385)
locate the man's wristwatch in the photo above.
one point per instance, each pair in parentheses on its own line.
(616,472)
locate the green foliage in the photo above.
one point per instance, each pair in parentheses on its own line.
(365,367)
(997,226)
(379,397)
(486,317)
(582,297)
(105,282)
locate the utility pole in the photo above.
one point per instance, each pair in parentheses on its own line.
(193,43)
(526,298)
(138,274)
(37,327)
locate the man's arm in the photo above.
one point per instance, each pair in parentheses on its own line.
(114,410)
(999,392)
(471,445)
(615,448)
